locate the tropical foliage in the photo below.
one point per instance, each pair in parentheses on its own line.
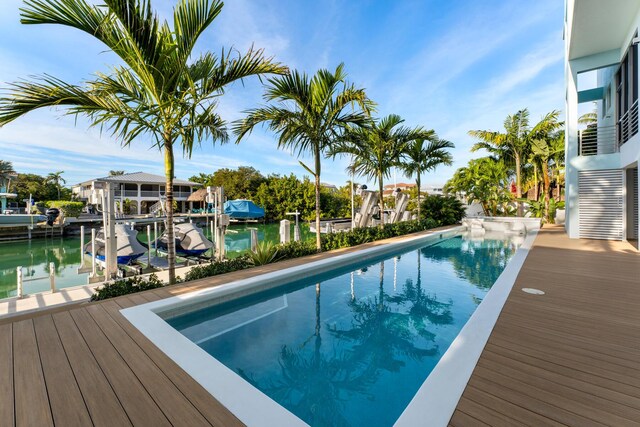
(378,147)
(532,155)
(444,210)
(309,114)
(162,92)
(425,155)
(7,173)
(57,180)
(126,286)
(484,181)
(69,209)
(358,236)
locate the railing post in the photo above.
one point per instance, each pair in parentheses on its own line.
(93,253)
(254,239)
(20,289)
(82,246)
(52,276)
(149,245)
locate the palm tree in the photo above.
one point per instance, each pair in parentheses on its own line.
(7,173)
(543,147)
(309,115)
(161,92)
(377,148)
(56,178)
(419,158)
(510,146)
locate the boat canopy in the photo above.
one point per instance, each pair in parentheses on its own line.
(243,209)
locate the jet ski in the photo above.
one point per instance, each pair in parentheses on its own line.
(128,247)
(190,241)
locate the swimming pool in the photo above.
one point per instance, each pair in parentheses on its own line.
(348,346)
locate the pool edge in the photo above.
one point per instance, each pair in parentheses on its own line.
(453,371)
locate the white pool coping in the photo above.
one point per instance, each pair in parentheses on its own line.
(255,408)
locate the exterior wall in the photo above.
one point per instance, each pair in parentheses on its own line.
(629,155)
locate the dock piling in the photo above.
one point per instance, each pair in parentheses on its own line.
(93,253)
(52,276)
(20,290)
(149,245)
(82,246)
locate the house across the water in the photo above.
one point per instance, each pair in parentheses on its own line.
(142,192)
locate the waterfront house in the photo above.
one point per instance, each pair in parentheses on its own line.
(601,67)
(144,191)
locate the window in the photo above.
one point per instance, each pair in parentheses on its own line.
(627,94)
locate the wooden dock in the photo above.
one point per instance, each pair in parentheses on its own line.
(570,356)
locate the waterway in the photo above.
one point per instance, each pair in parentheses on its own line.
(34,256)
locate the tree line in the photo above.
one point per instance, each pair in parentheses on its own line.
(279,194)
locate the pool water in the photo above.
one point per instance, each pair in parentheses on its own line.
(351,347)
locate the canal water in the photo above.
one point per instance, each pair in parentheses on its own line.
(64,252)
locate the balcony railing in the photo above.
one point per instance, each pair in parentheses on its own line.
(126,193)
(598,140)
(628,124)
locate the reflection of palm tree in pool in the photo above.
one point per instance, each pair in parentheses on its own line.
(478,262)
(383,335)
(423,306)
(314,384)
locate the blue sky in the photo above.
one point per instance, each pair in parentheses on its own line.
(451,66)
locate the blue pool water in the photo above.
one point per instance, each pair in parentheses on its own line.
(352,346)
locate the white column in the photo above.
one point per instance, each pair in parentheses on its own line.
(571,152)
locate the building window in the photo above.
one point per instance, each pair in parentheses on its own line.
(627,94)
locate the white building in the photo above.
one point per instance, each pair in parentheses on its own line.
(143,190)
(601,43)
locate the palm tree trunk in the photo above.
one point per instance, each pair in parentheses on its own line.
(518,185)
(58,186)
(171,243)
(418,184)
(381,188)
(317,161)
(535,180)
(546,185)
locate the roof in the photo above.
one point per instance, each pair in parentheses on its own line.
(198,196)
(595,26)
(399,185)
(144,178)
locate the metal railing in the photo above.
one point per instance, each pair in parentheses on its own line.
(126,193)
(598,140)
(628,124)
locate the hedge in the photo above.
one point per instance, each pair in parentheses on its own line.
(68,209)
(126,286)
(284,251)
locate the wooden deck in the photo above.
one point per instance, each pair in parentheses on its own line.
(571,356)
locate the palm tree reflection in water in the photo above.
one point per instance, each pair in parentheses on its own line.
(384,335)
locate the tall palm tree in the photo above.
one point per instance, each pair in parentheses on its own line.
(309,115)
(543,150)
(512,146)
(162,92)
(378,148)
(56,178)
(7,173)
(419,158)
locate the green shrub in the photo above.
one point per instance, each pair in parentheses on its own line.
(126,286)
(444,210)
(217,267)
(296,250)
(68,209)
(265,253)
(359,236)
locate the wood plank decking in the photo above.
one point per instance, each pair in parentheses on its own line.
(571,356)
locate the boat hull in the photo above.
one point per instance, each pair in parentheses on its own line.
(14,220)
